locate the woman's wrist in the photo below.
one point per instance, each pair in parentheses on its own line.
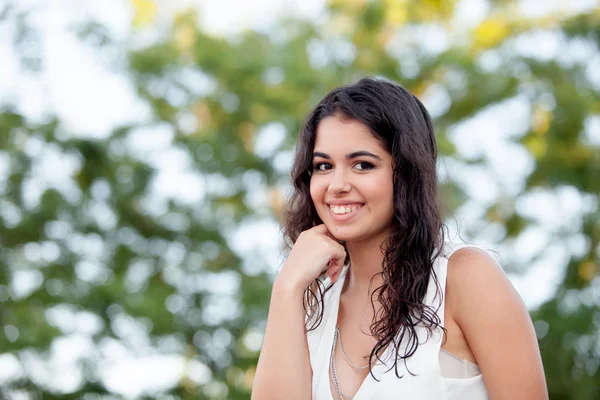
(288,288)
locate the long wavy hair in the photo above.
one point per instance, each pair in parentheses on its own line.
(400,121)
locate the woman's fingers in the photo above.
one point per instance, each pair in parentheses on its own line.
(333,273)
(314,249)
(322,229)
(336,265)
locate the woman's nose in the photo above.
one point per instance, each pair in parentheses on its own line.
(339,182)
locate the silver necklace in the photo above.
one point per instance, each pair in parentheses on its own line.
(337,337)
(332,368)
(337,329)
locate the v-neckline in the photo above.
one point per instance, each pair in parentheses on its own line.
(330,332)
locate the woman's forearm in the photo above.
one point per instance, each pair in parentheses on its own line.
(283,370)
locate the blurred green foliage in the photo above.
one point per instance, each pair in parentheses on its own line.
(105,249)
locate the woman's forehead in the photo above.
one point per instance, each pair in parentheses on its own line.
(336,133)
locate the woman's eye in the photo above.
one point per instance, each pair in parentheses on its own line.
(321,167)
(363,166)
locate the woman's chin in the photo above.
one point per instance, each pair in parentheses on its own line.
(341,234)
(349,234)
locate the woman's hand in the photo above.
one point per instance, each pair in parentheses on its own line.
(314,250)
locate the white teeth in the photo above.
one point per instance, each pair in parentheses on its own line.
(340,210)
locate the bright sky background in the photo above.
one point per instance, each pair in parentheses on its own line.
(73,71)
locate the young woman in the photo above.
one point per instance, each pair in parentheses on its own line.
(371,303)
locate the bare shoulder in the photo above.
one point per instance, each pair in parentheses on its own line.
(473,260)
(479,290)
(496,325)
(472,271)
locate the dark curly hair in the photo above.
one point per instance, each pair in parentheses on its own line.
(400,121)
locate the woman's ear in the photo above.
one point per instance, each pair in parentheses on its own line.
(394,172)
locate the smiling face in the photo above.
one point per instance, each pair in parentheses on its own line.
(351,184)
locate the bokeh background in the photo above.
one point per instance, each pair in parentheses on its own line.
(145,147)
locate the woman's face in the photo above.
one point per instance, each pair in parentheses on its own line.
(351,184)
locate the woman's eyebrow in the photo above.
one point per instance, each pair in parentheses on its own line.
(349,156)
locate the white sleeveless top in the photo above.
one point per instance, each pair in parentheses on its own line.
(427,383)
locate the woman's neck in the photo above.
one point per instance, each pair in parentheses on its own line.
(366,258)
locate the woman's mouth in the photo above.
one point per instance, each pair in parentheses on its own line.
(343,211)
